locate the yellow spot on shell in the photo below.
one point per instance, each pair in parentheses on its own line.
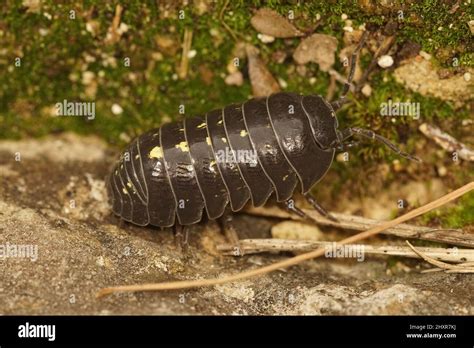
(224,140)
(156,152)
(285,177)
(219,122)
(183,146)
(243,133)
(212,164)
(129,184)
(202,125)
(124,191)
(208,141)
(137,156)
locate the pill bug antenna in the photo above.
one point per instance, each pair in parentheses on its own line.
(367,133)
(336,105)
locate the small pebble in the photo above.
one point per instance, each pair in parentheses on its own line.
(123,28)
(348,29)
(283,84)
(87,77)
(425,55)
(442,171)
(342,157)
(467,77)
(344,17)
(231,67)
(366,90)
(397,167)
(192,54)
(471,26)
(116,109)
(385,61)
(312,80)
(234,79)
(265,38)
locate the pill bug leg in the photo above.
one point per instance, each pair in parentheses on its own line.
(289,206)
(311,200)
(181,233)
(228,229)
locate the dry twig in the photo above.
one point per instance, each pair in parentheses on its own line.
(186,284)
(253,246)
(352,222)
(447,142)
(183,67)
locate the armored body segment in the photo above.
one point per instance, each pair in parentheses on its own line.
(208,177)
(180,170)
(161,202)
(276,167)
(127,204)
(238,191)
(246,156)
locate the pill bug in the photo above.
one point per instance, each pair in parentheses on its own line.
(242,152)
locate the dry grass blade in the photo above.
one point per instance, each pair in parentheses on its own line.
(186,284)
(187,41)
(113,35)
(442,265)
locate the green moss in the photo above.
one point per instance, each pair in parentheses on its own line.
(49,61)
(458,216)
(149,91)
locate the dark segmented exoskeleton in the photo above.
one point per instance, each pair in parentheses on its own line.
(170,175)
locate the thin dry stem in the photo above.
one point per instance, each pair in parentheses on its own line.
(442,265)
(352,222)
(253,246)
(186,284)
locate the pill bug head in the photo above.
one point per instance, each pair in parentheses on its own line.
(326,133)
(325,124)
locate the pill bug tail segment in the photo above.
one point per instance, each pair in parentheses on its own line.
(336,105)
(346,133)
